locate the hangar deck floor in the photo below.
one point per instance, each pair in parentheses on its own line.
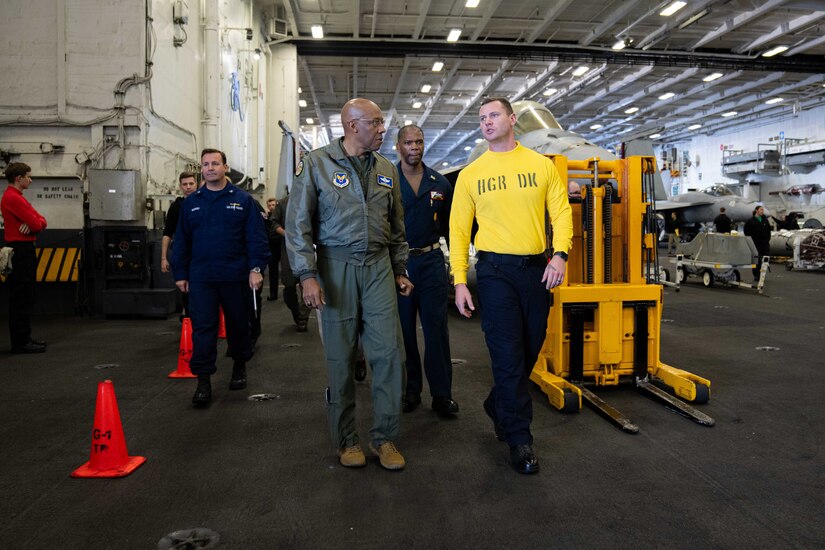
(263,474)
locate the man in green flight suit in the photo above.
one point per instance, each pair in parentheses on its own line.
(346,243)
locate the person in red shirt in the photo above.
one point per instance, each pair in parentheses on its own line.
(22,224)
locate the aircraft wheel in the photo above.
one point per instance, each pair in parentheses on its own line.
(571,402)
(681,275)
(736,276)
(664,275)
(702,394)
(708,278)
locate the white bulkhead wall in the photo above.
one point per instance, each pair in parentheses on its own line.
(63,60)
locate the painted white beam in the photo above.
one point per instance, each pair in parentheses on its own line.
(788,27)
(736,22)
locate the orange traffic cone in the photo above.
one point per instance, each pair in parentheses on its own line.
(221,325)
(185,353)
(108,457)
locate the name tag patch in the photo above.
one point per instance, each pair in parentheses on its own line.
(340,179)
(234,206)
(384,181)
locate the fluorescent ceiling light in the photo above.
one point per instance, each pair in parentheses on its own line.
(467,148)
(729,114)
(445,163)
(302,103)
(654,136)
(693,18)
(317,31)
(310,121)
(619,45)
(407,122)
(581,70)
(773,100)
(394,148)
(425,89)
(437,66)
(773,51)
(417,105)
(694,127)
(712,77)
(595,126)
(631,110)
(453,36)
(479,140)
(472,3)
(668,95)
(673,8)
(299,90)
(549,91)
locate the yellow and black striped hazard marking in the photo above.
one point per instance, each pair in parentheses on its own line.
(57,265)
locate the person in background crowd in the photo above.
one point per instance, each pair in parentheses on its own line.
(722,222)
(295,303)
(275,242)
(759,230)
(188,183)
(672,225)
(22,223)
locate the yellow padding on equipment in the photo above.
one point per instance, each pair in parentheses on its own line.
(57,265)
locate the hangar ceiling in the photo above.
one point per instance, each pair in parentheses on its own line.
(702,69)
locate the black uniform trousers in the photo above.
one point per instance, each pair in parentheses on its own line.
(274,262)
(514,306)
(205,301)
(763,248)
(295,303)
(428,300)
(21,282)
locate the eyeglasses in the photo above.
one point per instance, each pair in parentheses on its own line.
(372,122)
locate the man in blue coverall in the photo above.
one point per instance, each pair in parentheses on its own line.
(426,196)
(221,248)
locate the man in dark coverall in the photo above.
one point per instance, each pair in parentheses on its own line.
(345,206)
(220,249)
(759,230)
(427,196)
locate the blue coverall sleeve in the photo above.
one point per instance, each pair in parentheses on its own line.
(257,241)
(182,250)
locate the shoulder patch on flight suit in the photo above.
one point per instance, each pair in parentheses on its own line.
(299,168)
(384,181)
(340,179)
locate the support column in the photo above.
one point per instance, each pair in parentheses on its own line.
(281,104)
(212,76)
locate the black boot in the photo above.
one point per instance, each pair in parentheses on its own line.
(238,381)
(203,394)
(360,370)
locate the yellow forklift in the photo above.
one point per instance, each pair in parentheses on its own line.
(604,323)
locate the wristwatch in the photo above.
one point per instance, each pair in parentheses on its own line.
(562,255)
(255,270)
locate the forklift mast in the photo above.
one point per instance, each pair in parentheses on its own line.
(604,324)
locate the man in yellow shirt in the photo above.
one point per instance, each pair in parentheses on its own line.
(508,190)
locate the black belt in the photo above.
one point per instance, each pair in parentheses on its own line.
(420,251)
(512,259)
